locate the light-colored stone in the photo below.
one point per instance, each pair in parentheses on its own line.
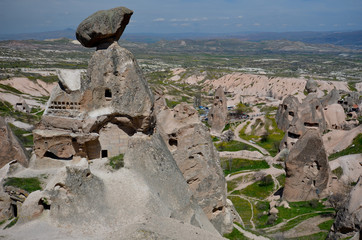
(348,221)
(307,169)
(218,113)
(274,211)
(190,144)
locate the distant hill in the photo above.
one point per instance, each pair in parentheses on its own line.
(351,39)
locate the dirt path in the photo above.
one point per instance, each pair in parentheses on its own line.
(307,227)
(278,226)
(237,138)
(249,234)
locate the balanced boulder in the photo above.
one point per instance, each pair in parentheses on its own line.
(103,26)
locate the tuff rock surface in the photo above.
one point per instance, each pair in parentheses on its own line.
(10,148)
(311,86)
(218,114)
(110,113)
(307,169)
(348,222)
(103,26)
(296,118)
(190,144)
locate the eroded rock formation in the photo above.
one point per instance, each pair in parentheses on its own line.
(110,112)
(190,144)
(10,148)
(348,222)
(307,169)
(218,114)
(296,118)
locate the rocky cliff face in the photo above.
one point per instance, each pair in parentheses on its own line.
(307,169)
(348,222)
(110,112)
(10,148)
(190,144)
(218,113)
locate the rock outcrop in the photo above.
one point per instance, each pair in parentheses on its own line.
(307,169)
(190,144)
(217,117)
(110,113)
(104,26)
(295,119)
(10,148)
(311,86)
(334,116)
(348,222)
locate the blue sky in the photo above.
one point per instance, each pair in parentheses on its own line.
(184,16)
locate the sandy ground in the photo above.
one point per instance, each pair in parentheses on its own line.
(27,86)
(337,140)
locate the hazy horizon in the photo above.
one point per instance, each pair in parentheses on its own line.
(186,16)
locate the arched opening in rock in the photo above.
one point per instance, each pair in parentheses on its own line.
(293,135)
(307,124)
(172,142)
(14,209)
(44,203)
(52,155)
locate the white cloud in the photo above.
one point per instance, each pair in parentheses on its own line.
(158,20)
(239,25)
(239,17)
(189,19)
(224,18)
(256,24)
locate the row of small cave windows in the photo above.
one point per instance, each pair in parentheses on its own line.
(65,103)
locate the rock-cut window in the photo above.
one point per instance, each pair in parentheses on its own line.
(108,94)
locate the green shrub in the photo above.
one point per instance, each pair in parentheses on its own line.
(117,162)
(326,225)
(27,184)
(338,172)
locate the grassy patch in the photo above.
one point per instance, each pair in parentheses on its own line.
(234,146)
(277,165)
(238,164)
(12,223)
(299,208)
(117,162)
(235,182)
(355,148)
(27,184)
(243,208)
(281,179)
(171,103)
(260,189)
(235,235)
(326,225)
